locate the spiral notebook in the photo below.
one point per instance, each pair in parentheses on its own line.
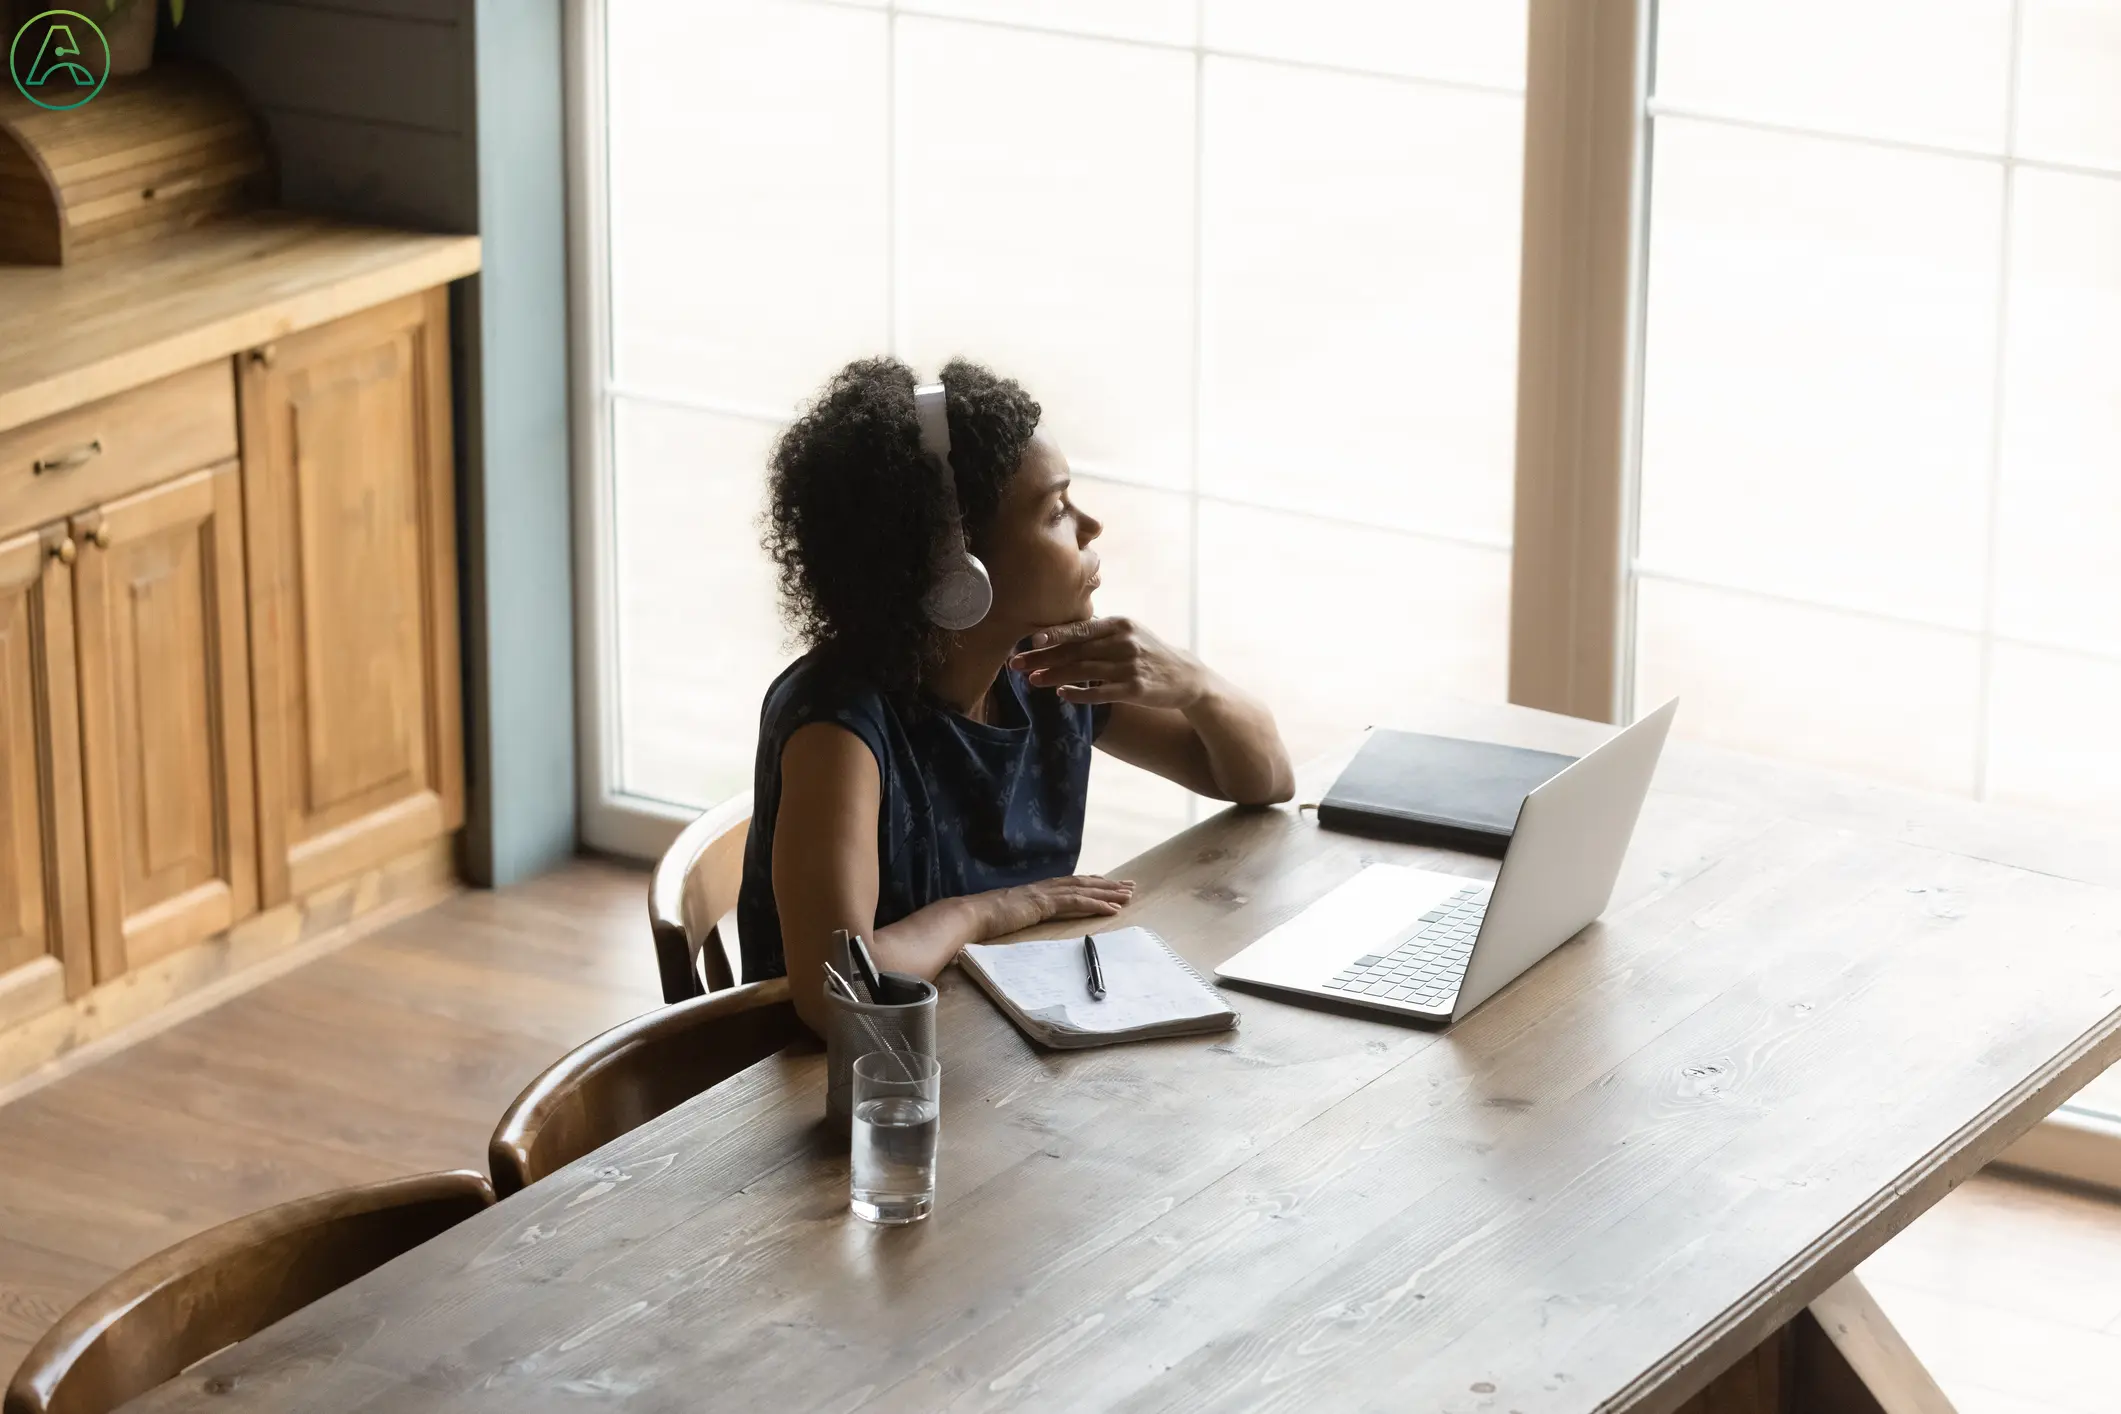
(1150,991)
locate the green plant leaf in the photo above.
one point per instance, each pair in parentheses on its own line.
(176,12)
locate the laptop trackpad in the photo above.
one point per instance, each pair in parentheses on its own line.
(1362,916)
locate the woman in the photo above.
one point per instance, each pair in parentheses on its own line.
(925,788)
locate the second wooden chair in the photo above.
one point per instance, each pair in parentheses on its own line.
(693,889)
(148,1324)
(634,1072)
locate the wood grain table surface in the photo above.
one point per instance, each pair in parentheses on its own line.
(1813,1007)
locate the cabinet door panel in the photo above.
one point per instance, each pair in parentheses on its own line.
(166,718)
(357,523)
(44,951)
(352,553)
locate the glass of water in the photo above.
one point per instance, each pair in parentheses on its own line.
(897,1123)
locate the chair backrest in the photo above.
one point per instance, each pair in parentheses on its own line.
(634,1072)
(693,888)
(147,1324)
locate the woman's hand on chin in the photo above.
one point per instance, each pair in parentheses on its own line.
(1112,660)
(1073,896)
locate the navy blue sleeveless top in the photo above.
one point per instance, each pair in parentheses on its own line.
(963,807)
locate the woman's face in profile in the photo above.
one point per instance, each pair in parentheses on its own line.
(1038,549)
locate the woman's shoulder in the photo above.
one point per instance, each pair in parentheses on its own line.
(814,688)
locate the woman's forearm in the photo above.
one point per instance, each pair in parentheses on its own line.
(1244,750)
(926,940)
(923,943)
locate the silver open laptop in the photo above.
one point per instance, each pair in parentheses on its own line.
(1434,946)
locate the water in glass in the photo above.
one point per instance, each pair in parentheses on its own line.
(894,1158)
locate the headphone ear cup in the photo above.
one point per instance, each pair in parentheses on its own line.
(960,596)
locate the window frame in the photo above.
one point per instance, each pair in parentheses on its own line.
(611,820)
(1579,352)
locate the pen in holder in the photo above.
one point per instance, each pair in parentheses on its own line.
(854,1029)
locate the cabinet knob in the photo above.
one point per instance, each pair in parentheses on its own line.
(62,549)
(100,537)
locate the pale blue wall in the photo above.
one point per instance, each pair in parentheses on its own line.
(521,581)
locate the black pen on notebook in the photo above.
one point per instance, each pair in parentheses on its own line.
(1094,973)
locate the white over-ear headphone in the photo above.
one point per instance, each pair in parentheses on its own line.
(961,594)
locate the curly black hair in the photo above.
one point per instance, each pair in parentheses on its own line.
(855,516)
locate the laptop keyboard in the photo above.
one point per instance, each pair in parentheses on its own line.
(1425,968)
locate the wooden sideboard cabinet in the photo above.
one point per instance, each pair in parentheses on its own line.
(133,673)
(346,436)
(229,681)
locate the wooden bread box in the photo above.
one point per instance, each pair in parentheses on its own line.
(230,723)
(152,153)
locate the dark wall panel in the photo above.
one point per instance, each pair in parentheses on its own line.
(406,73)
(369,172)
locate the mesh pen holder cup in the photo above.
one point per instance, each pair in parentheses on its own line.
(854,1029)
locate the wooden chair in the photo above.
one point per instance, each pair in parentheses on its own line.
(693,888)
(148,1324)
(634,1072)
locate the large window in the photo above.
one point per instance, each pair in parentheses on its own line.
(1820,384)
(1881,422)
(1258,261)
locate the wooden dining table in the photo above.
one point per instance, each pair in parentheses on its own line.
(1813,1006)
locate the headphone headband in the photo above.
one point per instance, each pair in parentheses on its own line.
(931,409)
